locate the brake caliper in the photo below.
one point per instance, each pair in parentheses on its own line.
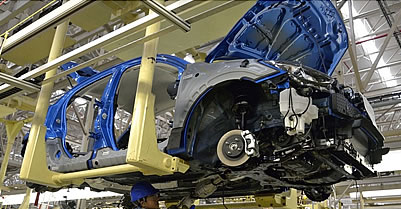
(251,145)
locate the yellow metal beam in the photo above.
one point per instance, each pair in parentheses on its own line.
(34,167)
(142,155)
(142,145)
(12,129)
(112,170)
(228,205)
(286,200)
(4,110)
(203,29)
(316,205)
(25,203)
(95,15)
(23,103)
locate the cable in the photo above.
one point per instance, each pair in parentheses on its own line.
(307,107)
(224,197)
(357,192)
(294,114)
(289,106)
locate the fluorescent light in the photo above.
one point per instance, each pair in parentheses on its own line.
(71,194)
(377,193)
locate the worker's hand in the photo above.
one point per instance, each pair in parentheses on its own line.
(173,207)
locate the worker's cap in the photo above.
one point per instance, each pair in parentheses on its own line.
(142,189)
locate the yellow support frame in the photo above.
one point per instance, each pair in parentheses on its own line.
(285,200)
(142,154)
(25,202)
(12,129)
(142,146)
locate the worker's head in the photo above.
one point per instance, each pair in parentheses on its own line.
(145,195)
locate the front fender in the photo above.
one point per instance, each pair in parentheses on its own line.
(199,78)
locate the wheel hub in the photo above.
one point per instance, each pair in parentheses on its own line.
(231,149)
(233,146)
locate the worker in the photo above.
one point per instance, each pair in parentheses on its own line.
(144,195)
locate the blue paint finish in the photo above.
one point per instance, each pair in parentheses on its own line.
(103,128)
(308,32)
(81,74)
(285,85)
(89,164)
(281,72)
(105,137)
(58,154)
(374,139)
(57,111)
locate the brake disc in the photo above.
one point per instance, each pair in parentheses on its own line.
(231,149)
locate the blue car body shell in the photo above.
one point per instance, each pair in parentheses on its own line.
(277,48)
(103,135)
(311,33)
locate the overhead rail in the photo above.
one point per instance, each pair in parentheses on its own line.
(120,34)
(27,18)
(168,14)
(162,32)
(19,83)
(55,17)
(129,29)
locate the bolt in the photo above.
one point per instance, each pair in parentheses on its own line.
(228,152)
(233,146)
(104,116)
(236,139)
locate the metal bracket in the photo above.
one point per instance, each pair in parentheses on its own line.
(286,199)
